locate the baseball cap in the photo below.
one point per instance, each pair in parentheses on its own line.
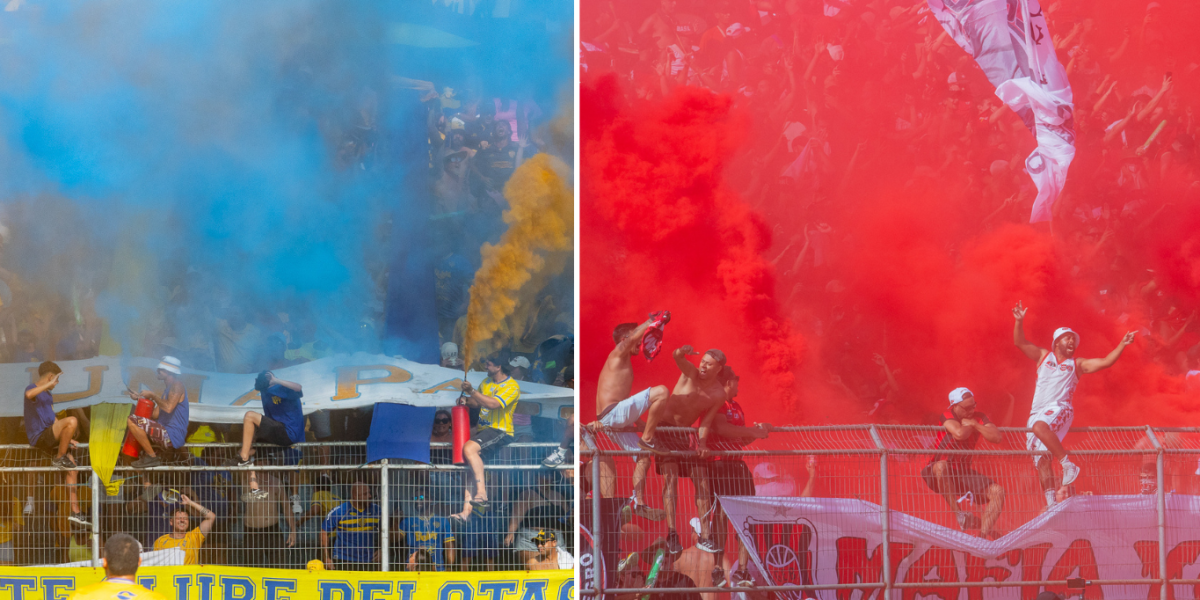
(519,361)
(449,351)
(959,394)
(545,536)
(316,565)
(1061,331)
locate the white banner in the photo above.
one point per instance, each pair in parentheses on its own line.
(824,541)
(337,382)
(1011,42)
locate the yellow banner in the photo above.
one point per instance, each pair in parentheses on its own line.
(239,583)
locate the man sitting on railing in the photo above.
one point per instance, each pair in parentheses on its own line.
(281,423)
(497,398)
(51,435)
(168,424)
(951,475)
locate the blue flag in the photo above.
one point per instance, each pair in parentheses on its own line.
(400,431)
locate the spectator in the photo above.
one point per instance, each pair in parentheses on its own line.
(180,537)
(540,508)
(238,342)
(549,555)
(481,542)
(262,536)
(496,162)
(450,357)
(281,423)
(520,368)
(497,400)
(355,527)
(122,557)
(168,424)
(26,348)
(951,475)
(50,435)
(422,530)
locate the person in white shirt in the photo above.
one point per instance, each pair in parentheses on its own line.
(1051,412)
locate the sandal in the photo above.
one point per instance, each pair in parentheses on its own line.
(477,503)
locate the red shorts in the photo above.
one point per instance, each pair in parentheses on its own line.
(154,430)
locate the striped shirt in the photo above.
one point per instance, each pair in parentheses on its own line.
(508,393)
(357,532)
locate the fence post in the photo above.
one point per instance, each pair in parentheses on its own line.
(97,489)
(597,553)
(884,513)
(1162,513)
(385,519)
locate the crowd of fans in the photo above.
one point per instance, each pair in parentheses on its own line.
(839,94)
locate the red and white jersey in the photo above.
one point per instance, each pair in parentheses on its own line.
(1055,384)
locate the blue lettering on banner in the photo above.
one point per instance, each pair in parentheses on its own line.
(456,589)
(237,588)
(18,585)
(58,587)
(566,591)
(535,589)
(272,588)
(495,590)
(405,589)
(148,582)
(183,587)
(368,589)
(205,583)
(343,588)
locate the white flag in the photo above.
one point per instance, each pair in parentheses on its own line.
(1011,42)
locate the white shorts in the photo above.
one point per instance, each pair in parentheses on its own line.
(624,415)
(1058,417)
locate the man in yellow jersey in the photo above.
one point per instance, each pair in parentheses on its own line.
(121,561)
(496,399)
(180,537)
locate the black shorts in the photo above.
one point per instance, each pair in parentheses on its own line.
(271,431)
(731,478)
(46,442)
(677,442)
(490,440)
(962,479)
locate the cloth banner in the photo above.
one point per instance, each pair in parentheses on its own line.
(189,583)
(171,557)
(826,541)
(399,431)
(1011,42)
(336,382)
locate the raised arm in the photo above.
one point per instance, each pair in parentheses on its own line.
(812,478)
(291,385)
(1030,350)
(632,340)
(33,392)
(1091,365)
(685,366)
(209,516)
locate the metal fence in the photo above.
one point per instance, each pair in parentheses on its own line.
(402,520)
(882,465)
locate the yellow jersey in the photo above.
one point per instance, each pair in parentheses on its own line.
(507,392)
(190,544)
(116,589)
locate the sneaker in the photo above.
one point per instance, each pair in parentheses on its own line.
(628,562)
(626,515)
(259,494)
(556,458)
(246,463)
(718,577)
(296,508)
(968,521)
(652,447)
(741,578)
(63,462)
(28,506)
(1070,471)
(76,520)
(147,461)
(707,544)
(673,545)
(646,512)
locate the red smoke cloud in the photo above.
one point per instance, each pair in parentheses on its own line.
(660,230)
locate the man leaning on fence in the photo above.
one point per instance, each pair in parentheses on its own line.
(951,475)
(180,537)
(355,527)
(51,435)
(497,400)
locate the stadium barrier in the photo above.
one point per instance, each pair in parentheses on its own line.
(36,526)
(866,504)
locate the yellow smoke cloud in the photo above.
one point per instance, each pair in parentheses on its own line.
(540,218)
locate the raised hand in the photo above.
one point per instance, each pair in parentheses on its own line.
(1128,338)
(1019,312)
(878,358)
(688,350)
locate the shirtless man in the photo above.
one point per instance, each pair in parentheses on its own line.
(698,396)
(1051,413)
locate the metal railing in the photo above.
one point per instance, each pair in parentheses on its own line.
(886,467)
(46,521)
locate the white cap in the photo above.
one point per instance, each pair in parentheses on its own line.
(736,30)
(695,523)
(519,361)
(959,394)
(1061,331)
(171,364)
(449,350)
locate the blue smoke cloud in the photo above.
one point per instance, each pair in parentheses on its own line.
(218,147)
